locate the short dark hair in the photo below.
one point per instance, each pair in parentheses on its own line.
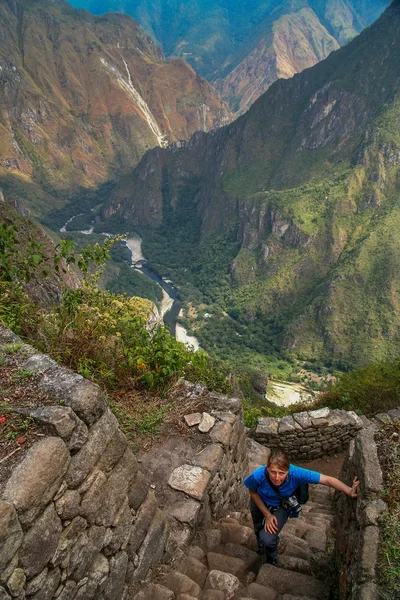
(280,459)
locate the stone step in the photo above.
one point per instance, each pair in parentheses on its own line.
(181,584)
(213,595)
(290,582)
(193,568)
(238,534)
(224,582)
(154,591)
(227,564)
(255,591)
(293,563)
(250,558)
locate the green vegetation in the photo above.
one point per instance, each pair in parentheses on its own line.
(102,335)
(389,549)
(367,390)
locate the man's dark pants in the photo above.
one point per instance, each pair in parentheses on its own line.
(268,542)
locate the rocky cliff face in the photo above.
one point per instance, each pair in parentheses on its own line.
(309,180)
(82,96)
(293,43)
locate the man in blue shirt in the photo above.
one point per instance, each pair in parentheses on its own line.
(270,487)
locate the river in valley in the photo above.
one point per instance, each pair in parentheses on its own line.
(171,304)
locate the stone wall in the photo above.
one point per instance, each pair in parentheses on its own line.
(209,483)
(78,518)
(357,522)
(308,435)
(72,512)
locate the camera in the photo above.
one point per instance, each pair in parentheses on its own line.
(292,504)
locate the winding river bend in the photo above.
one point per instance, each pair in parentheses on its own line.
(171,304)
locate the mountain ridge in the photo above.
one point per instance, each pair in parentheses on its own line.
(307,180)
(233,44)
(84,96)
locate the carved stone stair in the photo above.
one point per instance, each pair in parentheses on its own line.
(222,563)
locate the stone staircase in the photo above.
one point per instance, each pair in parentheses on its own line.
(221,563)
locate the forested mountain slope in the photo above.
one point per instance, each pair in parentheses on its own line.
(243,47)
(82,97)
(288,219)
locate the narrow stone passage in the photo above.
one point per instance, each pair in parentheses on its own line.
(222,564)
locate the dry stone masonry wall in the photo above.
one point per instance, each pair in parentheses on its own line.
(212,475)
(78,518)
(309,435)
(358,523)
(69,512)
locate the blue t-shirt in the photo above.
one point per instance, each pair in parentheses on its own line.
(257,482)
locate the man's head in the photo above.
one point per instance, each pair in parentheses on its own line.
(278,467)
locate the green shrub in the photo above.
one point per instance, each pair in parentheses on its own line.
(371,389)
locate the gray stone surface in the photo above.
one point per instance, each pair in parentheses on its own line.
(303,419)
(287,425)
(40,542)
(12,565)
(67,506)
(374,511)
(68,539)
(50,586)
(186,511)
(225,582)
(142,523)
(193,568)
(221,433)
(100,434)
(207,422)
(113,453)
(138,490)
(10,534)
(36,584)
(289,582)
(152,547)
(181,584)
(121,530)
(63,422)
(113,587)
(372,473)
(3,594)
(193,419)
(116,488)
(394,413)
(16,582)
(39,363)
(262,592)
(191,480)
(96,577)
(209,458)
(84,397)
(8,337)
(369,554)
(267,425)
(93,496)
(228,564)
(68,592)
(35,481)
(237,534)
(249,557)
(321,413)
(213,595)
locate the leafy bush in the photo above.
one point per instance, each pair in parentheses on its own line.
(371,389)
